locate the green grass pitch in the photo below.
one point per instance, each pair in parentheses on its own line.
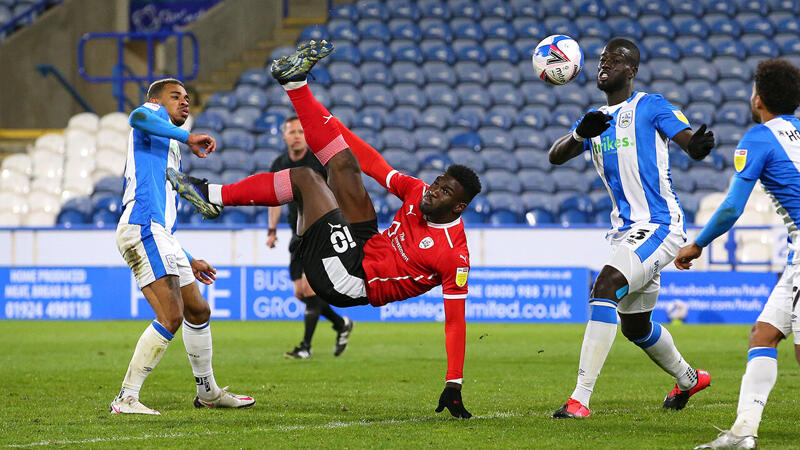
(58,379)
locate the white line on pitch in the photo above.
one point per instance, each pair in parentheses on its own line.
(325,426)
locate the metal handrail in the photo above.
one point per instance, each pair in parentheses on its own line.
(118,77)
(27,14)
(47,69)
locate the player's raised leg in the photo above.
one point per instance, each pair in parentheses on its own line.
(163,295)
(197,340)
(598,338)
(323,135)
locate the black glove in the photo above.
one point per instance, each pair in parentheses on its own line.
(700,144)
(593,124)
(451,399)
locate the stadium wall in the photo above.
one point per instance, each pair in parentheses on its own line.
(36,102)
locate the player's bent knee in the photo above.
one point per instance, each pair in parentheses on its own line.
(634,327)
(344,161)
(610,284)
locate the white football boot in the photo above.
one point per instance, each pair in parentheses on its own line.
(130,405)
(726,439)
(225,400)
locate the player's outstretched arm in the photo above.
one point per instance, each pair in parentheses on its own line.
(698,144)
(591,125)
(455,330)
(723,219)
(146,120)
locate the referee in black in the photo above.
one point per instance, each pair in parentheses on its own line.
(296,156)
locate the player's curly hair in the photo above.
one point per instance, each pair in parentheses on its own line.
(778,85)
(157,86)
(468,180)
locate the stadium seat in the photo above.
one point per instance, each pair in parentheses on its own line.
(469,71)
(406,72)
(567,180)
(700,112)
(503,52)
(579,202)
(703,91)
(347,96)
(764,48)
(403,117)
(442,95)
(52,142)
(398,137)
(237,160)
(346,53)
(234,216)
(573,217)
(256,77)
(440,52)
(403,29)
(468,158)
(536,180)
(663,48)
(343,72)
(735,49)
(505,201)
(724,26)
(692,26)
(626,27)
(469,30)
(247,95)
(693,47)
(529,30)
(666,70)
(373,10)
(236,138)
(375,94)
(436,30)
(505,94)
(504,31)
(528,137)
(500,116)
(532,158)
(435,161)
(565,115)
(467,10)
(504,217)
(273,141)
(86,121)
(437,72)
(538,216)
(401,160)
(345,32)
(699,69)
(408,53)
(470,140)
(474,53)
(729,67)
(496,137)
(404,10)
(539,94)
(437,10)
(263,158)
(533,116)
(759,25)
(707,178)
(499,159)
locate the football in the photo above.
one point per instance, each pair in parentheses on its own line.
(558,59)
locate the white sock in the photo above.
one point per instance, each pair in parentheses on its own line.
(215,194)
(197,340)
(294,85)
(597,340)
(660,347)
(148,353)
(758,380)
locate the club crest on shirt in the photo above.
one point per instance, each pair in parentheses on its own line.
(739,159)
(170,259)
(625,119)
(461,276)
(426,243)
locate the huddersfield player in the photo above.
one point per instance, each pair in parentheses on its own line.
(769,152)
(346,260)
(163,270)
(628,142)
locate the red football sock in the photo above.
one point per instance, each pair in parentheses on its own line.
(322,134)
(262,189)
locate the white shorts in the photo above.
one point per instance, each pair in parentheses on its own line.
(153,252)
(783,299)
(639,254)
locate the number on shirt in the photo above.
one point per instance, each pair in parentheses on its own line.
(342,240)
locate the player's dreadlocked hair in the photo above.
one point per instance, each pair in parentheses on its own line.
(633,60)
(778,85)
(467,178)
(155,89)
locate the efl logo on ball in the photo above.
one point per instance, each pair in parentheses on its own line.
(558,59)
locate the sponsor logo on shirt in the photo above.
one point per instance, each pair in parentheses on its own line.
(153,106)
(680,116)
(606,145)
(461,276)
(426,243)
(625,119)
(739,159)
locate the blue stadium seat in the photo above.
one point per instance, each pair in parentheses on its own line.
(728,67)
(505,72)
(726,7)
(406,72)
(441,94)
(532,158)
(593,8)
(759,25)
(269,122)
(474,53)
(539,216)
(764,48)
(502,31)
(662,48)
(436,10)
(273,141)
(346,73)
(403,117)
(236,216)
(212,164)
(402,160)
(529,30)
(404,10)
(314,32)
(505,201)
(345,32)
(371,137)
(504,217)
(624,8)
(409,53)
(109,185)
(107,202)
(567,180)
(346,53)
(347,96)
(105,218)
(470,140)
(759,7)
(737,113)
(382,209)
(578,202)
(573,217)
(792,6)
(692,26)
(409,95)
(429,137)
(603,203)
(263,158)
(374,94)
(472,218)
(237,160)
(505,94)
(683,9)
(596,29)
(566,115)
(399,137)
(375,52)
(707,178)
(436,30)
(704,91)
(249,96)
(244,117)
(473,94)
(660,28)
(80,205)
(467,10)
(496,137)
(657,7)
(699,69)
(471,31)
(663,69)
(225,99)
(498,9)
(560,9)
(735,90)
(728,134)
(700,112)
(567,27)
(481,205)
(469,116)
(435,161)
(791,46)
(209,120)
(440,52)
(503,52)
(788,25)
(348,12)
(539,94)
(369,119)
(500,116)
(437,72)
(535,180)
(495,158)
(527,9)
(375,72)
(276,96)
(469,158)
(725,26)
(471,72)
(533,116)
(694,47)
(735,49)
(529,137)
(373,10)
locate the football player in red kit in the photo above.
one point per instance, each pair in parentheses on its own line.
(347,262)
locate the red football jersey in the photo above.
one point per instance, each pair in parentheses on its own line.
(413,255)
